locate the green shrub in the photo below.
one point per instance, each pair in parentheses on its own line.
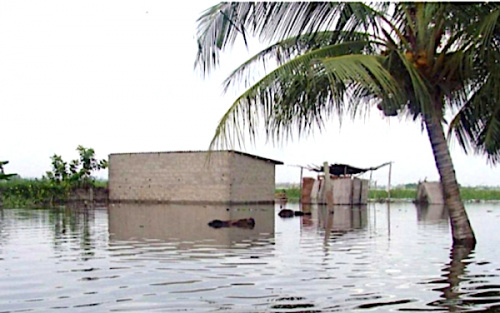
(474,193)
(31,193)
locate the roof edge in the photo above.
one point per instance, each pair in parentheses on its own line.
(205,151)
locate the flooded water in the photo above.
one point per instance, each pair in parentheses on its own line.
(165,258)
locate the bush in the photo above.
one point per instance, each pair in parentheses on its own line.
(56,185)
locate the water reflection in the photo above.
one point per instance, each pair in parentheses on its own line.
(137,258)
(434,213)
(189,223)
(341,218)
(463,291)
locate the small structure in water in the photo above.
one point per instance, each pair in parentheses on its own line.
(337,185)
(241,223)
(430,193)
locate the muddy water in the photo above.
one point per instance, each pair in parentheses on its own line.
(159,258)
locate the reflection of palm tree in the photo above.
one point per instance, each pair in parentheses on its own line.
(454,272)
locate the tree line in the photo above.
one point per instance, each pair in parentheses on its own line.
(56,185)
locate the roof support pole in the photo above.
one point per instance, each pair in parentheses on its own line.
(389,183)
(326,183)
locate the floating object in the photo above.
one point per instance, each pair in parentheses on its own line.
(242,223)
(289,213)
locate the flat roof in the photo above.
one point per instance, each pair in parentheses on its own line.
(201,151)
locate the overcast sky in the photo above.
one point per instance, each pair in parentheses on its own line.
(118,76)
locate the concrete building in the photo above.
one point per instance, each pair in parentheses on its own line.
(191,177)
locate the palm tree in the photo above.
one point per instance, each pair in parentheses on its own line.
(423,60)
(4,176)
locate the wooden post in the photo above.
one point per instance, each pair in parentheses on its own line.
(326,183)
(301,186)
(389,220)
(389,183)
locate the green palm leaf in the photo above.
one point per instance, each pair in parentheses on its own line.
(333,59)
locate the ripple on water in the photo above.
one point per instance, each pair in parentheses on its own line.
(385,260)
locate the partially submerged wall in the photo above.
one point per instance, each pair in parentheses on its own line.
(340,191)
(430,192)
(94,194)
(252,180)
(191,177)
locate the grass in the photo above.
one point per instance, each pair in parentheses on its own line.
(475,193)
(396,193)
(36,192)
(467,193)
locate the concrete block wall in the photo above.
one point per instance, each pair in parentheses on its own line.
(185,177)
(430,192)
(252,180)
(364,186)
(341,191)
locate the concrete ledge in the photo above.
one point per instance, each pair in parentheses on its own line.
(186,202)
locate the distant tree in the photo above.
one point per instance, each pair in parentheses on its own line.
(79,171)
(410,186)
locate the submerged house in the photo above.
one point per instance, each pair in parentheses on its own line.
(430,193)
(192,177)
(337,185)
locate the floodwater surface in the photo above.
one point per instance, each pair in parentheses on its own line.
(165,258)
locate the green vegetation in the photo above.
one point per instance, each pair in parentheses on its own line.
(57,184)
(476,193)
(468,193)
(292,193)
(31,193)
(396,193)
(78,172)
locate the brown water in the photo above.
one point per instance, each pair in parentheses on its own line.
(159,258)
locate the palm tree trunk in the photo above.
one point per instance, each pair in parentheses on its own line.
(461,229)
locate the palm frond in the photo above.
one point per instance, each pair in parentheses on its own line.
(322,44)
(305,92)
(220,25)
(477,124)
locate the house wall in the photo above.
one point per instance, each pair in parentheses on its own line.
(341,191)
(169,177)
(252,180)
(430,192)
(187,177)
